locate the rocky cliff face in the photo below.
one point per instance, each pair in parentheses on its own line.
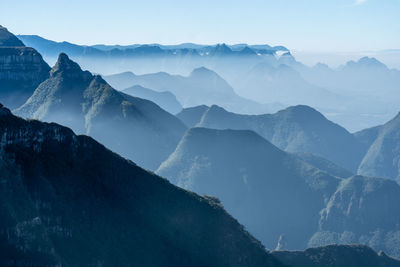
(133,127)
(22,69)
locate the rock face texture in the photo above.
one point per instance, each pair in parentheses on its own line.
(166,100)
(67,200)
(135,128)
(22,69)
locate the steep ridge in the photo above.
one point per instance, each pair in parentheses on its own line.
(336,256)
(166,100)
(383,156)
(265,188)
(295,129)
(134,127)
(282,199)
(63,194)
(362,210)
(22,69)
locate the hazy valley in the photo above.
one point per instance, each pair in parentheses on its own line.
(195,155)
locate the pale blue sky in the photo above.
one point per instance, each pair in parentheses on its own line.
(323,25)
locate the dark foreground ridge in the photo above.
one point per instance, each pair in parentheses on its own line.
(67,200)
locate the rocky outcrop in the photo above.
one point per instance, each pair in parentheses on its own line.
(22,69)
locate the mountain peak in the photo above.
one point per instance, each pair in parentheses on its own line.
(366,62)
(371,61)
(64,63)
(8,39)
(302,112)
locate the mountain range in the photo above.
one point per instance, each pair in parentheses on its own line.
(264,187)
(134,127)
(346,95)
(47,46)
(118,213)
(268,189)
(294,129)
(288,177)
(383,156)
(201,87)
(67,200)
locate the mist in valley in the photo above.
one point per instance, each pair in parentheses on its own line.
(201,153)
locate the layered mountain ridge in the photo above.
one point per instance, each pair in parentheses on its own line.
(134,127)
(268,189)
(63,194)
(295,129)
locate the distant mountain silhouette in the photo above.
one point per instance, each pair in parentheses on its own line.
(22,69)
(166,100)
(51,48)
(201,87)
(134,127)
(369,81)
(295,129)
(383,156)
(67,200)
(336,256)
(263,187)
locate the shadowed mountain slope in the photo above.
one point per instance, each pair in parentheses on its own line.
(362,210)
(265,188)
(67,200)
(134,127)
(201,87)
(295,129)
